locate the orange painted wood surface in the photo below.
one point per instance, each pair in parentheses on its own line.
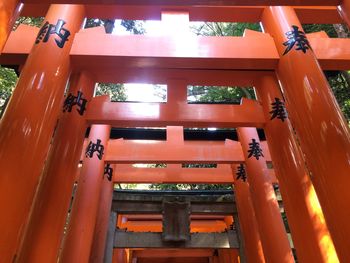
(9,11)
(271,228)
(145,151)
(322,130)
(80,232)
(196,226)
(28,124)
(156,52)
(59,175)
(311,238)
(252,14)
(123,114)
(197,2)
(152,151)
(126,173)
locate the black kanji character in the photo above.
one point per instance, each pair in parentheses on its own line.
(295,36)
(72,100)
(95,147)
(241,173)
(68,103)
(49,29)
(108,171)
(278,110)
(255,150)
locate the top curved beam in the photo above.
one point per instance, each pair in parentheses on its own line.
(195,2)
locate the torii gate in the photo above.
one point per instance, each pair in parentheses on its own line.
(263,60)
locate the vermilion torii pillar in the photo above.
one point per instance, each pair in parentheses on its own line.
(249,227)
(9,11)
(27,126)
(320,126)
(48,216)
(78,241)
(103,215)
(344,11)
(271,229)
(310,233)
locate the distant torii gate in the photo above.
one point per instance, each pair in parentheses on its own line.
(37,179)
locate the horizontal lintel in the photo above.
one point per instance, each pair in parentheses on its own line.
(306,14)
(124,239)
(194,2)
(96,52)
(223,174)
(125,114)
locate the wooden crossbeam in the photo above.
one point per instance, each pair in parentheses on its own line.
(195,2)
(152,203)
(151,151)
(187,115)
(92,51)
(151,253)
(156,225)
(252,14)
(148,207)
(126,174)
(124,239)
(99,52)
(139,151)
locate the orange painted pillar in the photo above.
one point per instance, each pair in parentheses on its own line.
(310,233)
(344,11)
(102,220)
(249,227)
(78,241)
(55,189)
(27,126)
(272,232)
(9,12)
(320,126)
(119,255)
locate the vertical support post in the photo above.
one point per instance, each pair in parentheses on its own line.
(176,92)
(108,253)
(28,123)
(9,12)
(77,244)
(272,232)
(102,220)
(344,11)
(310,233)
(120,255)
(55,188)
(240,253)
(321,128)
(250,236)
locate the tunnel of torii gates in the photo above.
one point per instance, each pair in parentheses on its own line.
(309,146)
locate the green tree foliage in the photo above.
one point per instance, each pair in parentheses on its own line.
(222,28)
(219,94)
(190,186)
(8,79)
(339,82)
(328,28)
(137,27)
(107,23)
(116,92)
(174,187)
(32,21)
